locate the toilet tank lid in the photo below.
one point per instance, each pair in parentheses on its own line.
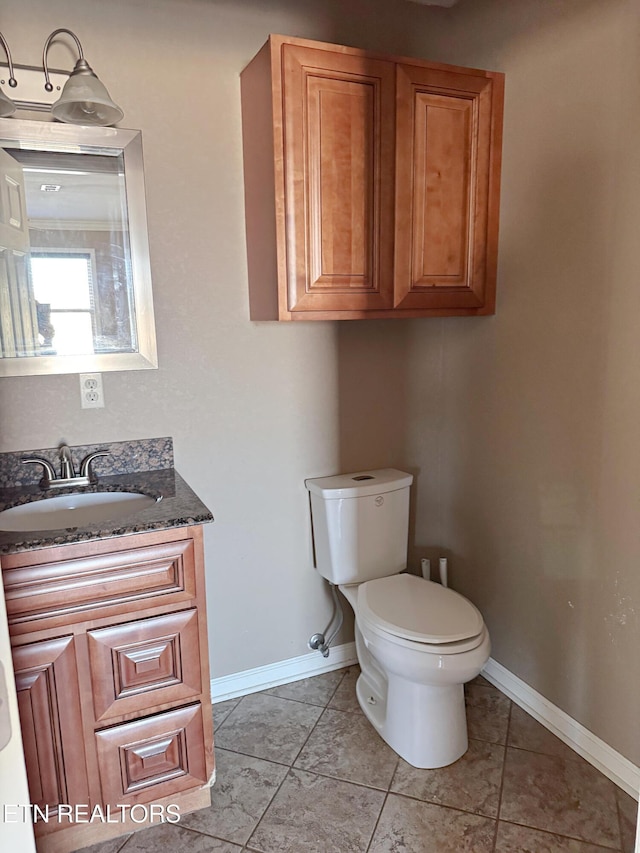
(359,484)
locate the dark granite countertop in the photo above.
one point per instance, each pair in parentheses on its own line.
(177,504)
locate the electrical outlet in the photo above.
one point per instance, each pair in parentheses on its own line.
(91,393)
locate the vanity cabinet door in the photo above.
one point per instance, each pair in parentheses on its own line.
(52,733)
(447,184)
(339,154)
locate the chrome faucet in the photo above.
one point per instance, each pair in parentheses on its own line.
(66,463)
(68,476)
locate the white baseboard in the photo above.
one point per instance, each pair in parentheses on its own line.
(614,765)
(283,672)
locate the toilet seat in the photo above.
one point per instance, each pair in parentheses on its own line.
(418,611)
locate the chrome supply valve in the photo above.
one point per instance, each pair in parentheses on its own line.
(317,643)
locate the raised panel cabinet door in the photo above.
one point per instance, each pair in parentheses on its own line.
(52,733)
(338,173)
(447,188)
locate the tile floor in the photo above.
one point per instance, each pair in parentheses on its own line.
(300,770)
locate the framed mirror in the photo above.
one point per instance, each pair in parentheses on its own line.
(75,279)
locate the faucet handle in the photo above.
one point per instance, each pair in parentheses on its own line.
(85,466)
(48,474)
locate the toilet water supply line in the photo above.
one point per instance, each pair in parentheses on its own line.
(425,566)
(318,641)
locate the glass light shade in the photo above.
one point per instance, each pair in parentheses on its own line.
(85,100)
(7,107)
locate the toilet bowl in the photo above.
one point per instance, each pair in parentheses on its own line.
(412,689)
(417,642)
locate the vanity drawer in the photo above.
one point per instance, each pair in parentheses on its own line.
(99,585)
(145,663)
(142,761)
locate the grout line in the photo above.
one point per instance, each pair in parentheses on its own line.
(216,728)
(554,834)
(250,755)
(268,806)
(311,731)
(351,782)
(375,827)
(620,830)
(125,842)
(504,766)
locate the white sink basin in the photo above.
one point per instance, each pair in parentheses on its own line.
(79,510)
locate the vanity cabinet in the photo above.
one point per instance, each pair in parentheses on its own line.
(110,652)
(371,184)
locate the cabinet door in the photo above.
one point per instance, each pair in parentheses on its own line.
(338,162)
(52,734)
(447,188)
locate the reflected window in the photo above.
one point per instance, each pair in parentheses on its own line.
(63,290)
(75,283)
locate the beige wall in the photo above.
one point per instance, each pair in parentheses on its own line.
(520,428)
(540,450)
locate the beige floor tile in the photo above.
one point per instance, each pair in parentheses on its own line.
(522,839)
(344,699)
(114,845)
(268,727)
(243,789)
(347,747)
(221,711)
(316,691)
(472,783)
(487,713)
(313,814)
(411,826)
(527,733)
(628,810)
(172,837)
(560,795)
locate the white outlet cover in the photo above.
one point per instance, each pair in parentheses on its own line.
(91,392)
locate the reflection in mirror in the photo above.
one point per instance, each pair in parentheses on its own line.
(75,288)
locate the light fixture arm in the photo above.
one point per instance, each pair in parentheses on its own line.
(12,80)
(82,66)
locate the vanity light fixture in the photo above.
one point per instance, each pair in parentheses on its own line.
(84,99)
(7,107)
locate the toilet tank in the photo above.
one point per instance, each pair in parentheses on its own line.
(360,524)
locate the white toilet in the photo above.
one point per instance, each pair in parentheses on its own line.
(417,642)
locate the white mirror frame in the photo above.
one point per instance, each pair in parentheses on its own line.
(51,136)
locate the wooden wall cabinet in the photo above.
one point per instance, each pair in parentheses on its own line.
(110,653)
(371,184)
